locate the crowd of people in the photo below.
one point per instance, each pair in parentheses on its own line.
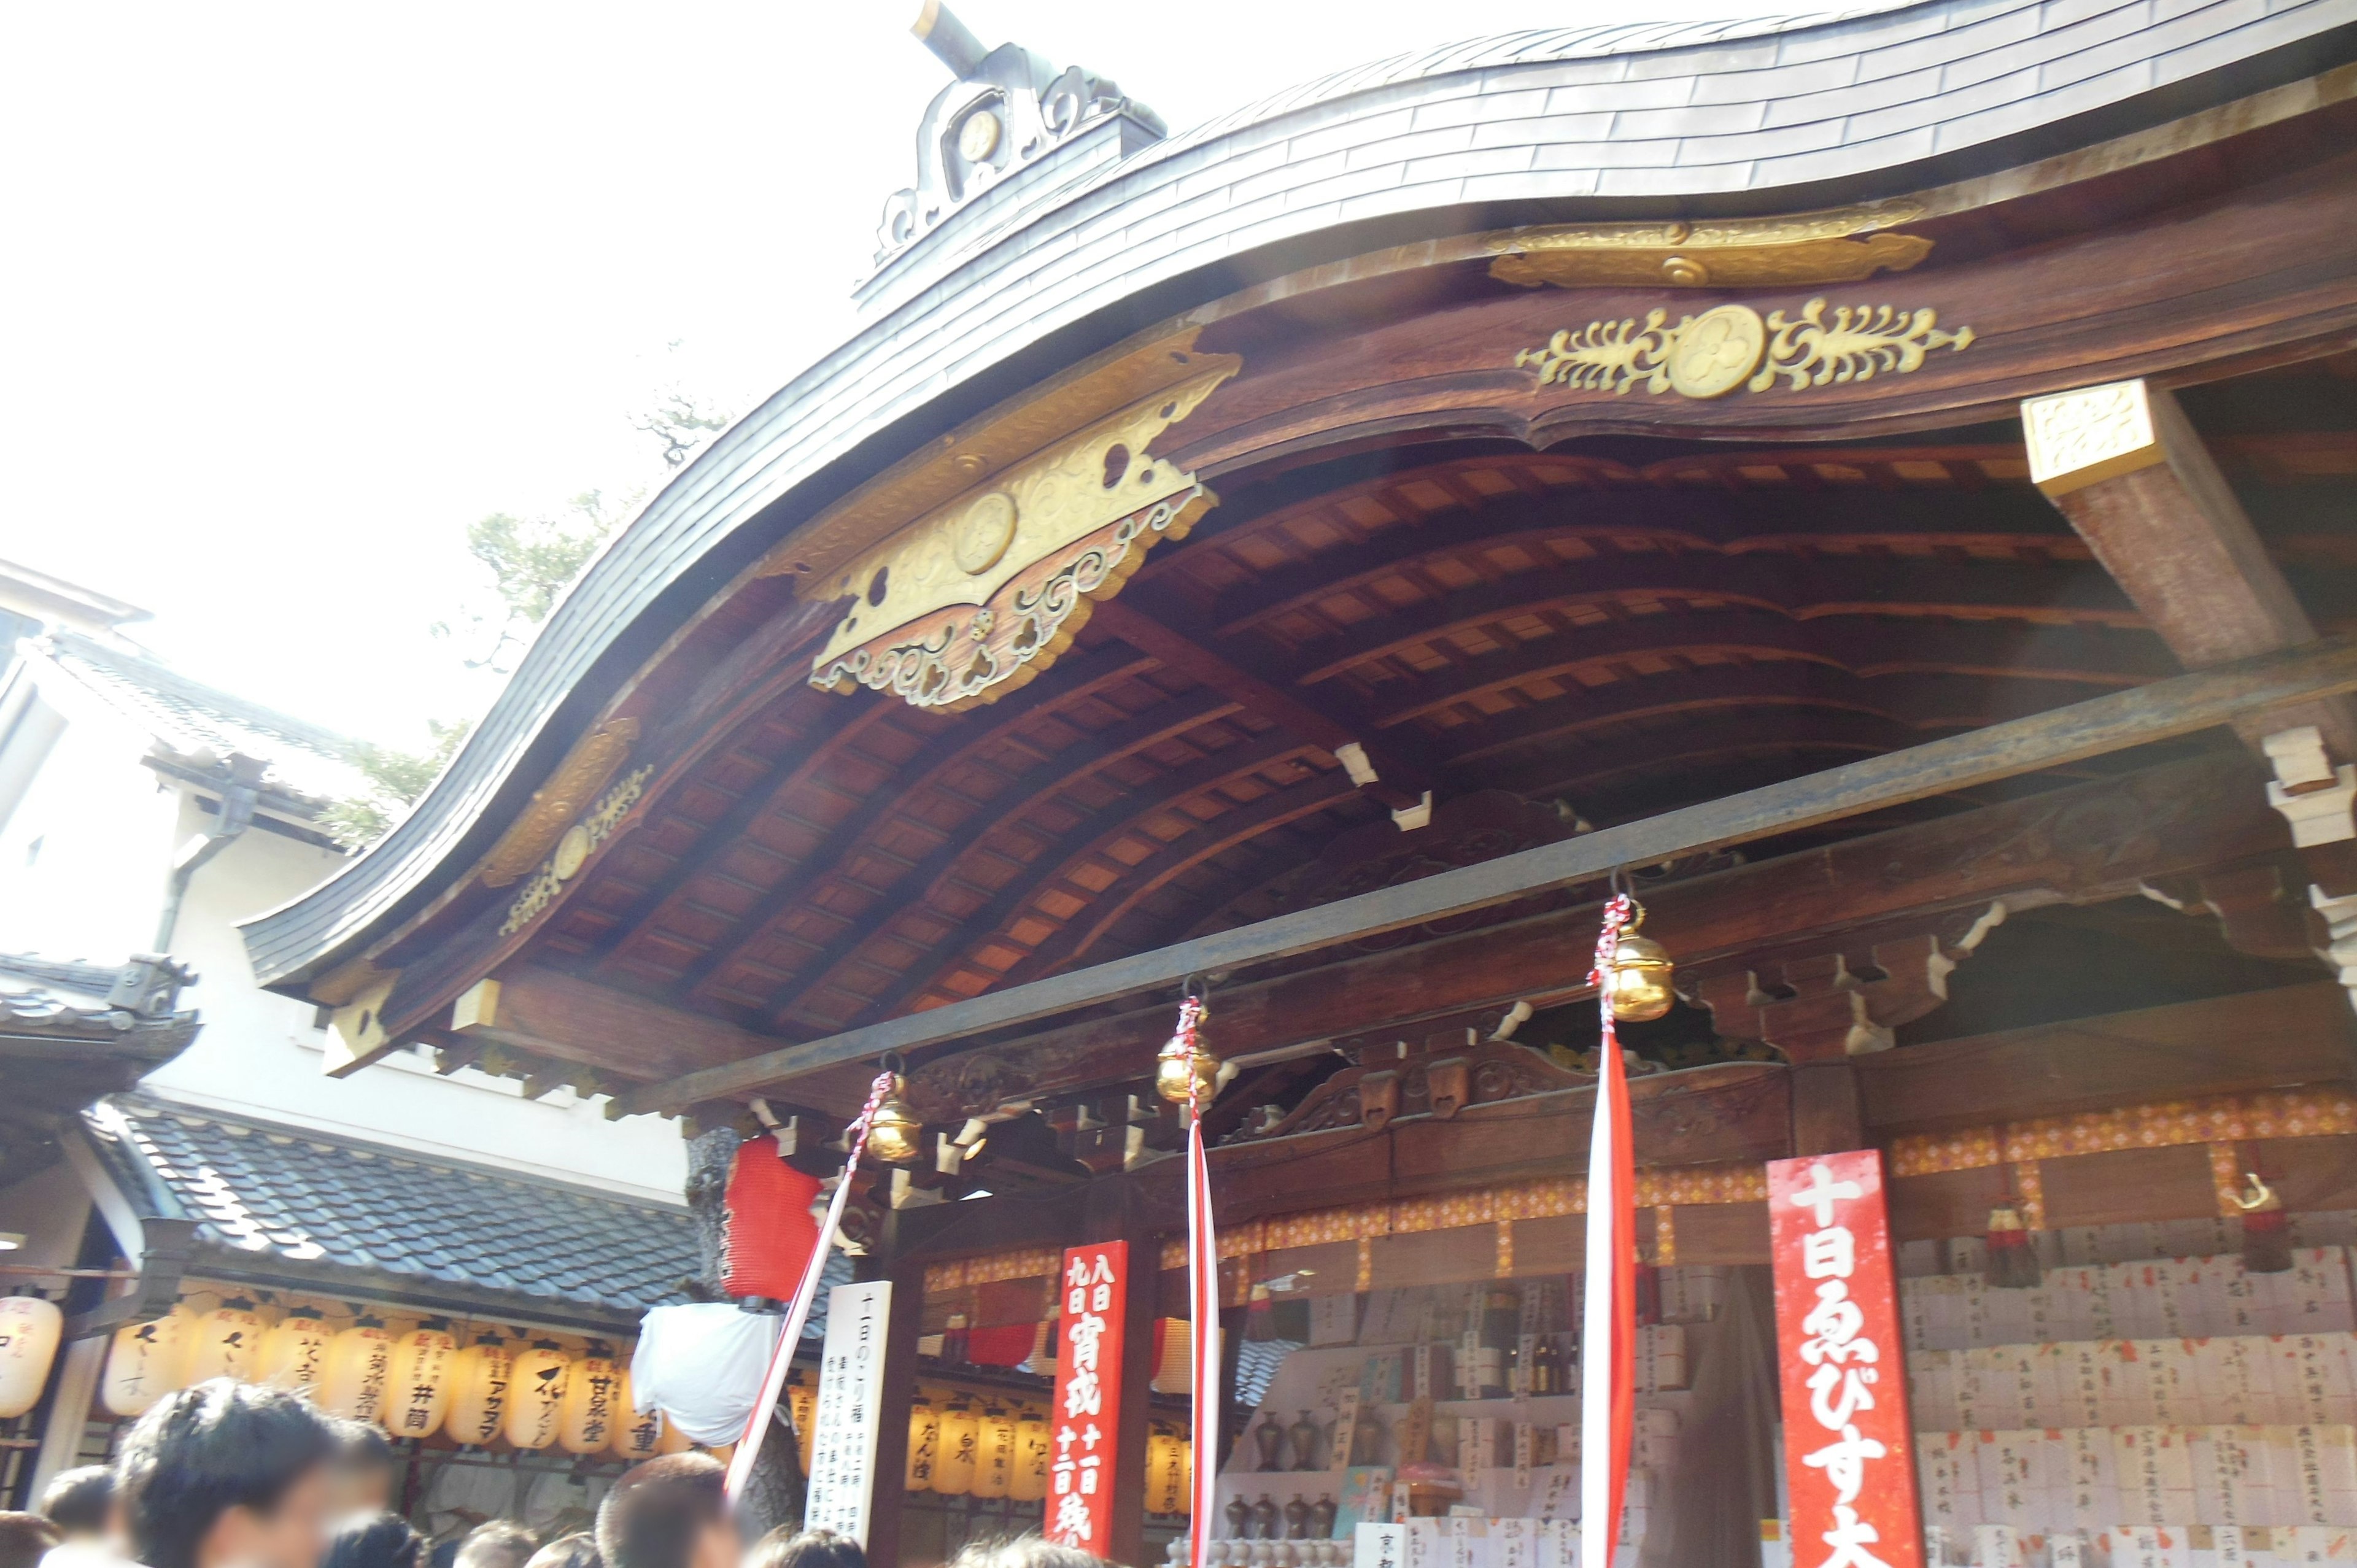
(227,1475)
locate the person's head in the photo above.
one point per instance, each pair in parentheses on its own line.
(227,1474)
(785,1547)
(25,1539)
(1024,1552)
(81,1503)
(578,1550)
(496,1543)
(364,1466)
(373,1541)
(670,1512)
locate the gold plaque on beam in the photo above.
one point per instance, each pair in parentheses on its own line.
(982,593)
(1845,245)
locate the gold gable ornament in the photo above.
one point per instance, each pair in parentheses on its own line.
(980,595)
(1844,244)
(1730,346)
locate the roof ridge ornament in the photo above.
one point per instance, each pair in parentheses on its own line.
(1007,108)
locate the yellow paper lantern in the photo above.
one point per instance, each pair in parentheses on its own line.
(425,1377)
(994,1460)
(636,1437)
(1165,1467)
(294,1353)
(146,1361)
(1032,1449)
(675,1441)
(30,1326)
(801,1409)
(959,1447)
(536,1395)
(924,1444)
(226,1342)
(1186,1474)
(360,1371)
(479,1379)
(592,1406)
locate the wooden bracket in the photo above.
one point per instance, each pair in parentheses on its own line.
(1832,1003)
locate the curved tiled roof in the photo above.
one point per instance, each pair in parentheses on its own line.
(1040,272)
(302,1197)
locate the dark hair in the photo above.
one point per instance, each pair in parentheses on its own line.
(372,1541)
(785,1548)
(496,1543)
(578,1550)
(360,1442)
(1031,1551)
(77,1500)
(24,1539)
(203,1451)
(653,1516)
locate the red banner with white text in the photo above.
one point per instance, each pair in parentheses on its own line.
(1849,1460)
(1084,1461)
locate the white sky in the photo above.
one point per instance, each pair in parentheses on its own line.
(289,295)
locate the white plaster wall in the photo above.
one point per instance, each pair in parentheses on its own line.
(106,831)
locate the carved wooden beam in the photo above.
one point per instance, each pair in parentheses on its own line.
(550,1014)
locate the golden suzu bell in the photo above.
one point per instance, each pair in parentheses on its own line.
(896,1136)
(1181,1068)
(1638,984)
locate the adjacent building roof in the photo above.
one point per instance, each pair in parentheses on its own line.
(198,726)
(72,1032)
(1036,274)
(312,1209)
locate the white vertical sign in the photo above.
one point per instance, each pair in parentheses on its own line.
(850,1390)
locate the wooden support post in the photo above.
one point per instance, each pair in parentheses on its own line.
(1828,1113)
(1112,1212)
(888,1500)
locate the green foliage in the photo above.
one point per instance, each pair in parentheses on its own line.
(395,781)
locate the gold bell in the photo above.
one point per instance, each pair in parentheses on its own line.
(1638,984)
(896,1136)
(1182,1068)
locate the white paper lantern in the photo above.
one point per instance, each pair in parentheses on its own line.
(294,1353)
(425,1377)
(1032,1451)
(146,1361)
(994,1458)
(636,1437)
(360,1371)
(30,1327)
(960,1446)
(924,1444)
(479,1377)
(594,1402)
(536,1395)
(226,1342)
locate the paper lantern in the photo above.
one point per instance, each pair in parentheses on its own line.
(30,1326)
(636,1437)
(960,1439)
(592,1407)
(146,1361)
(226,1342)
(675,1441)
(994,1459)
(1166,1473)
(1174,1364)
(479,1379)
(425,1376)
(767,1231)
(924,1444)
(1032,1449)
(360,1371)
(294,1354)
(801,1409)
(536,1395)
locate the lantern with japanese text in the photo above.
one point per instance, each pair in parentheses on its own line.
(924,1444)
(592,1405)
(994,1459)
(226,1342)
(294,1353)
(1166,1473)
(30,1326)
(801,1409)
(1031,1449)
(959,1445)
(636,1437)
(360,1371)
(425,1376)
(146,1361)
(481,1376)
(536,1395)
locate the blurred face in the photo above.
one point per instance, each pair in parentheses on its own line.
(292,1535)
(361,1489)
(715,1547)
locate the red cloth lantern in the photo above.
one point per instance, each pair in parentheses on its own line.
(768,1232)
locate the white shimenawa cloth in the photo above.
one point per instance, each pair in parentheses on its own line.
(702,1364)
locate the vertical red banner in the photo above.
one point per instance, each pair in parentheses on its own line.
(1083,1451)
(1849,1458)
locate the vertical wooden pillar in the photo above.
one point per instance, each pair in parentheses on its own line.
(1113,1212)
(888,1496)
(1828,1117)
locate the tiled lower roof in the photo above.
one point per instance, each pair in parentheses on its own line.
(306,1197)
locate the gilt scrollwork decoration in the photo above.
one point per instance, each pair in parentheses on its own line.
(1712,354)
